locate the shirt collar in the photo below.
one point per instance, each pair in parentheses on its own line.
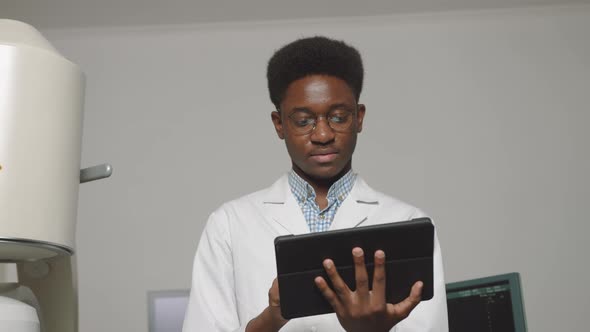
(338,191)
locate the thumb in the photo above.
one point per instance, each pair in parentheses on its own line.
(402,310)
(273,294)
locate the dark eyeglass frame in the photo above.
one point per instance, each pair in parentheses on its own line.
(298,130)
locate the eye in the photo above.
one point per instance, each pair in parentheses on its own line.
(302,119)
(303,122)
(339,117)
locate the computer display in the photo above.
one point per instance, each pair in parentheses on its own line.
(492,304)
(166,310)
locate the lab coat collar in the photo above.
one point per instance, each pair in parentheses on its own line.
(281,206)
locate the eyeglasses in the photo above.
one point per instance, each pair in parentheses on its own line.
(303,122)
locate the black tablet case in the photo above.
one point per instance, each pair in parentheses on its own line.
(408,248)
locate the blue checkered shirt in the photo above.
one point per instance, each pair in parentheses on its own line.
(319,221)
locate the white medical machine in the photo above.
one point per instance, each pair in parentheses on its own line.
(41,110)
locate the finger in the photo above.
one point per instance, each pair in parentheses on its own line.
(403,309)
(274,303)
(360,273)
(339,285)
(273,294)
(328,294)
(379,277)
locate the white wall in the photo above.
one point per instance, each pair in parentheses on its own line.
(477,117)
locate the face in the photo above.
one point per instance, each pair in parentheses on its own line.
(323,154)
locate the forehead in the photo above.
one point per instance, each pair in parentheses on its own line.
(317,91)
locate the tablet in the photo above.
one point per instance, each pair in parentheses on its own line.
(408,247)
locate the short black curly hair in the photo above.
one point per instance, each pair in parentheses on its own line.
(313,56)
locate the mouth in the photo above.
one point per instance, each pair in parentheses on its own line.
(324,156)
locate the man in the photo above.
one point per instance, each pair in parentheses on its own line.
(315,85)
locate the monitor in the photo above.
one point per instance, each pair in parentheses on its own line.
(166,310)
(491,304)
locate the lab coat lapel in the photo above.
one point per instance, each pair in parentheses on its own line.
(280,205)
(361,203)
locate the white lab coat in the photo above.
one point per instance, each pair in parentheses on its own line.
(235,261)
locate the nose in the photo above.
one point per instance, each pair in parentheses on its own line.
(322,133)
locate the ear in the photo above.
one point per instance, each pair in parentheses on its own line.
(278,123)
(360,116)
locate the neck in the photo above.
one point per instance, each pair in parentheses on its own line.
(321,185)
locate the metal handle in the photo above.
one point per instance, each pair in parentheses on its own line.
(95,173)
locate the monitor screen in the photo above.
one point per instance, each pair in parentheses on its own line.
(167,310)
(492,304)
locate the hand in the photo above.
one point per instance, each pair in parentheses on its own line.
(270,319)
(365,310)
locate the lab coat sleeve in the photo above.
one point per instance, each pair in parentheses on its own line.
(212,302)
(429,316)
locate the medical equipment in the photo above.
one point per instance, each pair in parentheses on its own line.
(41,111)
